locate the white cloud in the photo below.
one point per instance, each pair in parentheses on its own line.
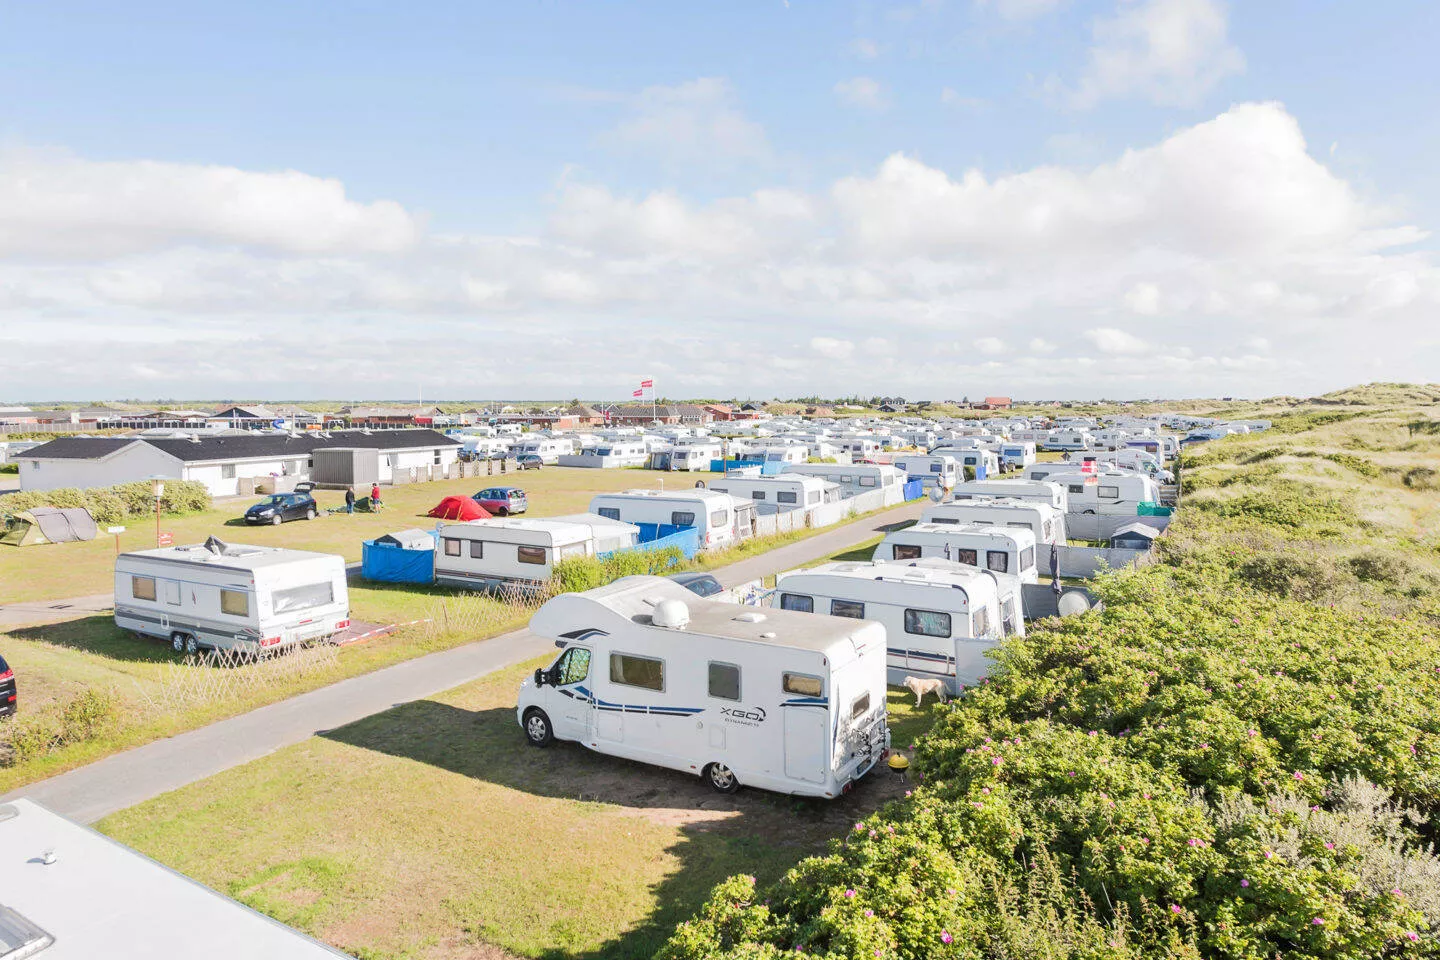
(1144,299)
(1041,345)
(832,349)
(864,48)
(862,92)
(1169,52)
(1111,340)
(990,346)
(951,97)
(699,119)
(54,204)
(1020,9)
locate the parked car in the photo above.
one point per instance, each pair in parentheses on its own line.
(528,461)
(7,689)
(279,507)
(502,501)
(700,584)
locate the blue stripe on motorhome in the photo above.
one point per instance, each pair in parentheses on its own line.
(806,702)
(655,709)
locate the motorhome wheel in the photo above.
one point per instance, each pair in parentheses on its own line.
(537,729)
(1088,513)
(721,778)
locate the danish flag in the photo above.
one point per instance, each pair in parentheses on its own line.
(647,384)
(638,393)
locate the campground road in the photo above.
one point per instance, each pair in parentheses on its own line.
(89,793)
(49,611)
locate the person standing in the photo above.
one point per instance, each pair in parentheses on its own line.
(375,495)
(349,499)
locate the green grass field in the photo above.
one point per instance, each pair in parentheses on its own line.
(433,831)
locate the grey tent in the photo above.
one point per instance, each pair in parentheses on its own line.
(1135,536)
(48,525)
(412,539)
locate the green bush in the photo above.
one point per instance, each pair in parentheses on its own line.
(83,717)
(586,573)
(1291,506)
(1422,478)
(1302,422)
(115,504)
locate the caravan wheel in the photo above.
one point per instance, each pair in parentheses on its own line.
(177,642)
(721,778)
(537,729)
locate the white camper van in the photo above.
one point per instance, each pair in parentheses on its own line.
(1017,454)
(1041,519)
(936,470)
(1000,549)
(1068,440)
(1108,493)
(939,617)
(695,457)
(736,695)
(711,512)
(1040,491)
(548,449)
(789,453)
(856,478)
(781,493)
(522,550)
(225,596)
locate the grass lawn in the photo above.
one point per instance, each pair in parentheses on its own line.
(58,571)
(433,831)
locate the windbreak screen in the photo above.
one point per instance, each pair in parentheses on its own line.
(304,597)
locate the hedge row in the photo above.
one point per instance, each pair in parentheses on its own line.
(587,573)
(113,504)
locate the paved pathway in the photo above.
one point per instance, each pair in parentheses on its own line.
(51,611)
(88,793)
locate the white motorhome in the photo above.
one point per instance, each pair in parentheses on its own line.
(939,618)
(1140,462)
(855,478)
(977,461)
(695,457)
(779,494)
(1108,493)
(607,454)
(548,449)
(1068,440)
(736,695)
(1008,550)
(860,448)
(790,453)
(710,512)
(936,470)
(1046,522)
(226,596)
(1040,491)
(522,550)
(1017,454)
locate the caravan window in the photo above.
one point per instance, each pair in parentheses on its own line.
(570,550)
(861,706)
(530,555)
(142,588)
(452,547)
(573,667)
(847,608)
(798,602)
(786,496)
(681,518)
(867,481)
(802,684)
(757,494)
(1077,488)
(982,622)
(905,551)
(971,558)
(997,560)
(951,520)
(927,623)
(935,468)
(477,549)
(718,518)
(609,513)
(235,603)
(725,681)
(303,597)
(1027,558)
(1112,493)
(637,671)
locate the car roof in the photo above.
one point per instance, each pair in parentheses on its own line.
(692,577)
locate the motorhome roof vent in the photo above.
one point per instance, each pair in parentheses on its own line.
(216,546)
(671,614)
(750,618)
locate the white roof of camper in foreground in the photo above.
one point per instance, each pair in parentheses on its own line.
(633,599)
(939,574)
(99,898)
(236,556)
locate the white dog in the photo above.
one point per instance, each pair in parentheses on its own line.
(921,687)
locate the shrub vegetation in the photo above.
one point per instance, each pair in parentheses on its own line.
(117,503)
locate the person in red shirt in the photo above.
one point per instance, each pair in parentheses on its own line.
(375,496)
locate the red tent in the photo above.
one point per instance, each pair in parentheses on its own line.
(459,508)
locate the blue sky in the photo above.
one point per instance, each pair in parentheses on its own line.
(713,180)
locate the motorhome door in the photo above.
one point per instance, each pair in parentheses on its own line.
(807,743)
(574,704)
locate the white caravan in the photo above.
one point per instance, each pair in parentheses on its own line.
(779,494)
(736,695)
(939,618)
(548,449)
(974,461)
(695,457)
(1044,521)
(790,453)
(1017,454)
(522,550)
(941,470)
(227,596)
(1000,549)
(1068,440)
(1138,461)
(855,478)
(1040,491)
(1109,493)
(710,512)
(860,448)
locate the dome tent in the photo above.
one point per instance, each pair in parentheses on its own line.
(459,508)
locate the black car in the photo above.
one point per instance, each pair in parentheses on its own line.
(279,507)
(700,584)
(7,689)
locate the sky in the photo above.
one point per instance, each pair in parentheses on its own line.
(940,199)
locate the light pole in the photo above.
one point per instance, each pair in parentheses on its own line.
(157,487)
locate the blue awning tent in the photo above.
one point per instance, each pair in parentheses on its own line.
(392,563)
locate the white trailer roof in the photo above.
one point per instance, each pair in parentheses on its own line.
(99,898)
(230,556)
(509,529)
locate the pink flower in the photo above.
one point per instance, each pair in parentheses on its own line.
(1329,846)
(1070,774)
(1091,733)
(996,761)
(950,890)
(1317,922)
(1174,908)
(1252,733)
(945,936)
(1244,883)
(1413,936)
(859,826)
(1299,775)
(985,790)
(869,913)
(849,893)
(979,805)
(1268,854)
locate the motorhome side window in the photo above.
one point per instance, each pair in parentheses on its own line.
(142,588)
(867,481)
(785,496)
(1027,558)
(637,671)
(477,549)
(1112,493)
(682,518)
(717,518)
(802,684)
(797,601)
(609,513)
(1077,488)
(905,551)
(971,558)
(452,547)
(997,560)
(927,623)
(725,681)
(934,468)
(861,706)
(530,555)
(573,667)
(235,603)
(847,608)
(757,495)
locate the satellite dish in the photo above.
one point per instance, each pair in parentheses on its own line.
(937,493)
(671,614)
(1072,603)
